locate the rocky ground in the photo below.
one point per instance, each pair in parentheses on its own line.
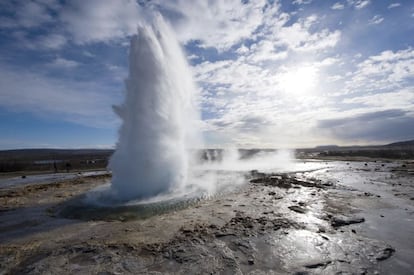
(291,223)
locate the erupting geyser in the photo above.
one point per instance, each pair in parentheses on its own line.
(159,117)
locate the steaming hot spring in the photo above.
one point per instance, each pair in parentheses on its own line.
(156,166)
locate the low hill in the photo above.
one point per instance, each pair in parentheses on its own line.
(408,143)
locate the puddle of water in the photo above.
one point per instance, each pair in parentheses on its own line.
(387,217)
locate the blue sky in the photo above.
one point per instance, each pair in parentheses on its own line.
(270,73)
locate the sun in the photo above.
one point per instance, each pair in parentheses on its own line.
(299,80)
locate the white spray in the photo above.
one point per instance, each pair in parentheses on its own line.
(159,117)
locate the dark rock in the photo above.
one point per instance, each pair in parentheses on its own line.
(385,254)
(317,264)
(297,209)
(250,261)
(341,221)
(321,230)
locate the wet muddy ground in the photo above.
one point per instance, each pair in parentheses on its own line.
(336,218)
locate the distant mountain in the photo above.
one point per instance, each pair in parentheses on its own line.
(408,143)
(45,154)
(327,147)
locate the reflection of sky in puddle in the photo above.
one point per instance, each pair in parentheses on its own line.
(299,247)
(45,178)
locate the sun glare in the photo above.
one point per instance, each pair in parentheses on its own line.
(299,80)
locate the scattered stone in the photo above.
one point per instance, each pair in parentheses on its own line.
(342,221)
(297,209)
(318,264)
(324,237)
(385,254)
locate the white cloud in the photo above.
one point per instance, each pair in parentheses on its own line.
(301,2)
(253,103)
(377,19)
(27,14)
(216,23)
(51,41)
(263,51)
(32,14)
(298,36)
(383,72)
(394,5)
(79,102)
(253,96)
(338,6)
(101,20)
(402,99)
(359,4)
(64,63)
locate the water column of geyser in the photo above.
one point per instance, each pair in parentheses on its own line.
(158,117)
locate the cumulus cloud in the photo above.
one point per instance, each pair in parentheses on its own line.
(382,126)
(402,99)
(81,21)
(338,6)
(51,41)
(78,102)
(216,23)
(377,19)
(252,96)
(101,20)
(60,62)
(32,14)
(394,5)
(256,63)
(388,70)
(299,37)
(301,2)
(359,4)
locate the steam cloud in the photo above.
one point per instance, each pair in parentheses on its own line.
(159,117)
(155,158)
